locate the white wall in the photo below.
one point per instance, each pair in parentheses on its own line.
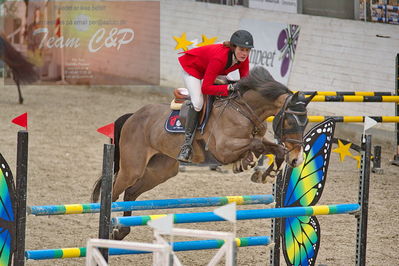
(332,54)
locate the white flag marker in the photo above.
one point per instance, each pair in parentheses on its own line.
(227,212)
(369,123)
(164,225)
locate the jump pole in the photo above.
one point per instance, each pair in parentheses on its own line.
(348,119)
(352,98)
(350,93)
(201,217)
(150,204)
(177,246)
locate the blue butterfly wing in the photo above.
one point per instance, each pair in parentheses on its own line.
(301,240)
(7,213)
(303,186)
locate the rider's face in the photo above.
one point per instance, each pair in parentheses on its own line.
(242,53)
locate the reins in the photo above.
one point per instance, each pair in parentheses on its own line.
(235,102)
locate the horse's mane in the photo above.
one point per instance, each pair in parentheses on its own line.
(259,79)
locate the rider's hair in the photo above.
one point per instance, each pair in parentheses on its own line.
(228,44)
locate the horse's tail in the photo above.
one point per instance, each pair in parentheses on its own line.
(118,124)
(23,71)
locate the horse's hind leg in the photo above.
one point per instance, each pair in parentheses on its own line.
(132,165)
(20,98)
(159,169)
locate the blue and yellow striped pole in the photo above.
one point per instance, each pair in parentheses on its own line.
(150,204)
(177,246)
(201,217)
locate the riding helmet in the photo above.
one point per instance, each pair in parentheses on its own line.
(242,38)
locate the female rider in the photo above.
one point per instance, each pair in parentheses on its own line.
(200,67)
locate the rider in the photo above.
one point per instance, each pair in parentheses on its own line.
(200,67)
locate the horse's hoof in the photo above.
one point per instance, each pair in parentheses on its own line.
(269,179)
(120,233)
(237,167)
(256,176)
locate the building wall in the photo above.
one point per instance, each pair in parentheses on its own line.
(332,54)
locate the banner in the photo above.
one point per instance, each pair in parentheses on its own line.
(95,43)
(275,5)
(275,45)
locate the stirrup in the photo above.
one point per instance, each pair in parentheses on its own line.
(185,154)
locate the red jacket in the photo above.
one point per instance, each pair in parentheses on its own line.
(208,62)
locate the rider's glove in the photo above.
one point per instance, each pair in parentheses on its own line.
(233,87)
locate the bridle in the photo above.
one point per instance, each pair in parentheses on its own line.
(236,102)
(295,112)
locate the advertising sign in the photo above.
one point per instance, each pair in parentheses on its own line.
(275,46)
(86,42)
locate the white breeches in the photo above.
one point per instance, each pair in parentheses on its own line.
(193,86)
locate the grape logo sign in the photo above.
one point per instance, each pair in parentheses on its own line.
(286,44)
(275,46)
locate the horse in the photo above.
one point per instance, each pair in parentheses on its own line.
(23,71)
(145,154)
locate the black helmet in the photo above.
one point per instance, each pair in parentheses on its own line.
(242,38)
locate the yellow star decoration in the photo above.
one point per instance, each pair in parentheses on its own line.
(182,42)
(206,41)
(343,150)
(357,158)
(271,159)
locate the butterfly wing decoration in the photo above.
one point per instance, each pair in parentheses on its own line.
(7,213)
(303,186)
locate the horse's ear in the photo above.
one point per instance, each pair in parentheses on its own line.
(294,98)
(308,99)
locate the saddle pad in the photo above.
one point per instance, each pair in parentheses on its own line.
(173,123)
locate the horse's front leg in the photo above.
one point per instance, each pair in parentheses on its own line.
(250,157)
(262,175)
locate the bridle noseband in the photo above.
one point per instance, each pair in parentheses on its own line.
(288,112)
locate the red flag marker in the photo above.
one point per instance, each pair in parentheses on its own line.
(107,130)
(21,120)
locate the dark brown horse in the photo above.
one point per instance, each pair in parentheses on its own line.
(235,134)
(23,72)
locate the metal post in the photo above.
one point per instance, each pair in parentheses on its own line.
(106,193)
(276,222)
(368,10)
(364,184)
(377,161)
(396,157)
(385,12)
(21,180)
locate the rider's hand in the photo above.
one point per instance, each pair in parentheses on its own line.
(233,87)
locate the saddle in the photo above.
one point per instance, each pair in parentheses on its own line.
(176,119)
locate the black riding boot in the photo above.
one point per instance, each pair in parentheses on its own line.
(185,154)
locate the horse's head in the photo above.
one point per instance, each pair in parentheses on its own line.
(289,125)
